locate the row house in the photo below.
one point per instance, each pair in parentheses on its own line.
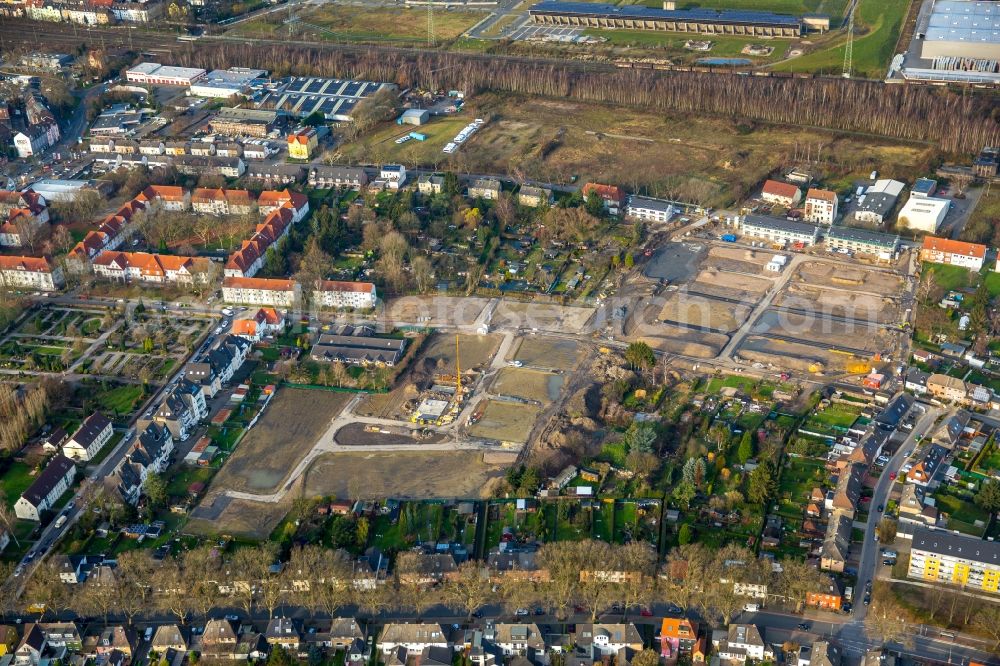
(37,273)
(19,227)
(413,638)
(92,435)
(246,261)
(265,322)
(182,409)
(210,371)
(222,202)
(166,197)
(152,268)
(110,234)
(35,648)
(28,200)
(149,455)
(273,200)
(36,139)
(328,177)
(194,165)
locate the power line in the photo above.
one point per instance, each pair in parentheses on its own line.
(430,23)
(849,49)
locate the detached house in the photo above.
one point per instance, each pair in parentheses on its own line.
(677,636)
(821,206)
(485,188)
(516,639)
(783,194)
(282,631)
(169,637)
(618,641)
(413,637)
(612,195)
(46,489)
(267,321)
(90,438)
(219,640)
(743,642)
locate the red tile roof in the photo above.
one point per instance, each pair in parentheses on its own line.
(779,189)
(334,285)
(31,264)
(608,192)
(268,284)
(949,246)
(822,195)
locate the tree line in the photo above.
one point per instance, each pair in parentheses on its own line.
(956,122)
(583,576)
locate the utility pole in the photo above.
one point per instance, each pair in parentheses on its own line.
(849,48)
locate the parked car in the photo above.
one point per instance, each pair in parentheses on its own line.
(804,626)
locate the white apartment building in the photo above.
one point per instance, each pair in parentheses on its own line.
(334,294)
(95,431)
(30,273)
(820,206)
(260,291)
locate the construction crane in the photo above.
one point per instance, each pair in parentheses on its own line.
(458,373)
(849,48)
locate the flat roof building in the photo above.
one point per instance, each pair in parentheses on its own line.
(649,210)
(637,17)
(923,214)
(226,82)
(963,29)
(164,75)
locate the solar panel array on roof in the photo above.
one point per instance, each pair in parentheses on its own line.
(334,98)
(640,12)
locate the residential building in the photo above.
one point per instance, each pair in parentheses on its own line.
(261,291)
(782,194)
(427,569)
(272,174)
(922,474)
(836,543)
(201,149)
(152,268)
(916,381)
(413,637)
(649,210)
(820,653)
(222,202)
(153,73)
(19,228)
(302,143)
(743,642)
(114,638)
(912,508)
(534,197)
(618,641)
(923,214)
(150,454)
(181,409)
(956,253)
(336,294)
(29,200)
(165,197)
(190,165)
(945,387)
(821,206)
(343,632)
(829,597)
(881,245)
(271,201)
(356,349)
(955,559)
(265,322)
(778,230)
(485,188)
(848,491)
(219,640)
(612,195)
(35,139)
(246,261)
(169,637)
(237,122)
(338,176)
(394,175)
(282,631)
(516,639)
(36,273)
(95,431)
(677,636)
(228,149)
(46,489)
(429,183)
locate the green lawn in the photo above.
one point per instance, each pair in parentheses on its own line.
(961,510)
(877,26)
(604,519)
(992,280)
(120,400)
(837,415)
(949,277)
(16,480)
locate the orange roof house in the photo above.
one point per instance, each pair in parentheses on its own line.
(609,193)
(778,192)
(946,251)
(677,636)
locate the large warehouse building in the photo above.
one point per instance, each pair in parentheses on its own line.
(154,73)
(637,17)
(963,29)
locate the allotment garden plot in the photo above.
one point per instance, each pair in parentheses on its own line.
(53,339)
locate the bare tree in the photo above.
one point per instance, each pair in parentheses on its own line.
(470,588)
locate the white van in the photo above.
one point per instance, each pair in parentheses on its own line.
(751,608)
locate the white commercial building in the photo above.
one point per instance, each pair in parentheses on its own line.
(154,73)
(224,83)
(923,214)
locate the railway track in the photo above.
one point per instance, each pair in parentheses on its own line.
(17,31)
